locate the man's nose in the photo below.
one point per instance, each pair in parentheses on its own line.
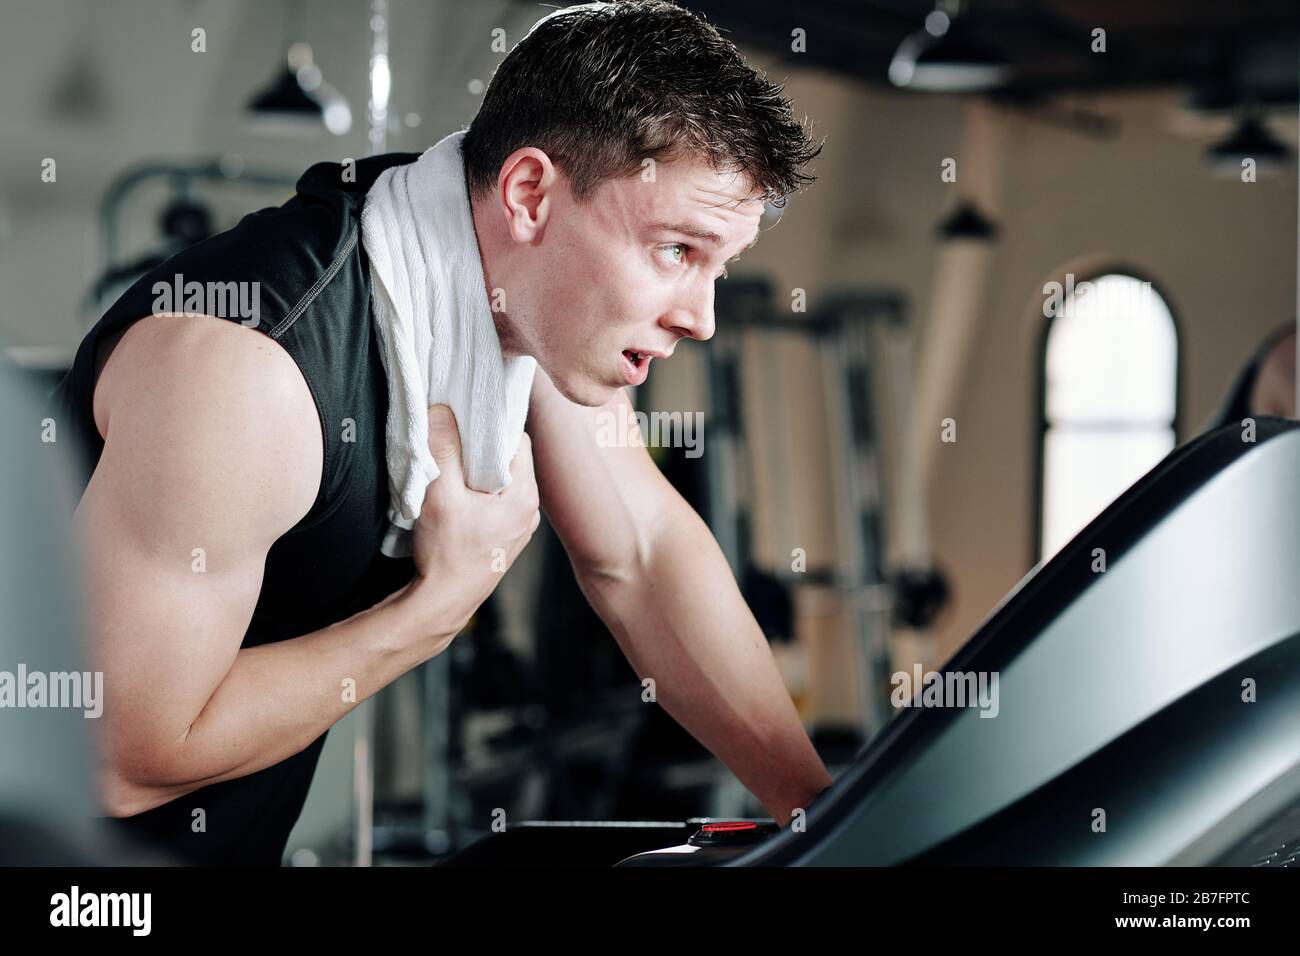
(693,319)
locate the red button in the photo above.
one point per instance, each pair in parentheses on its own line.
(728,827)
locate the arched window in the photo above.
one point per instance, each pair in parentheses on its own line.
(1109,397)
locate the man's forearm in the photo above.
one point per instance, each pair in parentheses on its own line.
(680,619)
(276,699)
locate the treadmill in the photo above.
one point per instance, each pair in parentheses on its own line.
(1148,714)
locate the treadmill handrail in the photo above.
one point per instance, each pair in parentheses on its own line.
(1046,591)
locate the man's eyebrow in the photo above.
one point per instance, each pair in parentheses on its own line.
(687,229)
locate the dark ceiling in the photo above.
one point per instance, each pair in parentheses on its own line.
(1224,51)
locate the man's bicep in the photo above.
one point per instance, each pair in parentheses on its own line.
(163,624)
(188,495)
(600,489)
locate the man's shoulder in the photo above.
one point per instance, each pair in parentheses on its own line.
(212,367)
(209,427)
(210,402)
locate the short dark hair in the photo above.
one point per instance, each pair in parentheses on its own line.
(602,87)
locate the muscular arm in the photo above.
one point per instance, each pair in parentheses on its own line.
(212,443)
(656,576)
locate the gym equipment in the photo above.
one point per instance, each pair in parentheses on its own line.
(184,220)
(1149,692)
(864,349)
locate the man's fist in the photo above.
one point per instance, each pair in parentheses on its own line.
(465,540)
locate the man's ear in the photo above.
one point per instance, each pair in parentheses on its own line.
(524,190)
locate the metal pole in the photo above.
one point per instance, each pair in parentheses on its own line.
(363,771)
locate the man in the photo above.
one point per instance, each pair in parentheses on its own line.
(238,501)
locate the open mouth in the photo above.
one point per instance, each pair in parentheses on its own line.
(636,365)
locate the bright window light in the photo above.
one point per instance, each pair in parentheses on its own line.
(1110,402)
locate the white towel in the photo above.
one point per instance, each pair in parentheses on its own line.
(436,335)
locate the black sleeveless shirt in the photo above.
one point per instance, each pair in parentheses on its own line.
(313,297)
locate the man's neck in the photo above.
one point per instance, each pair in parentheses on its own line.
(511,346)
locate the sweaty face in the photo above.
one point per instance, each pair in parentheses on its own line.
(626,274)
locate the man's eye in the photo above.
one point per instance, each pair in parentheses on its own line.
(676,260)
